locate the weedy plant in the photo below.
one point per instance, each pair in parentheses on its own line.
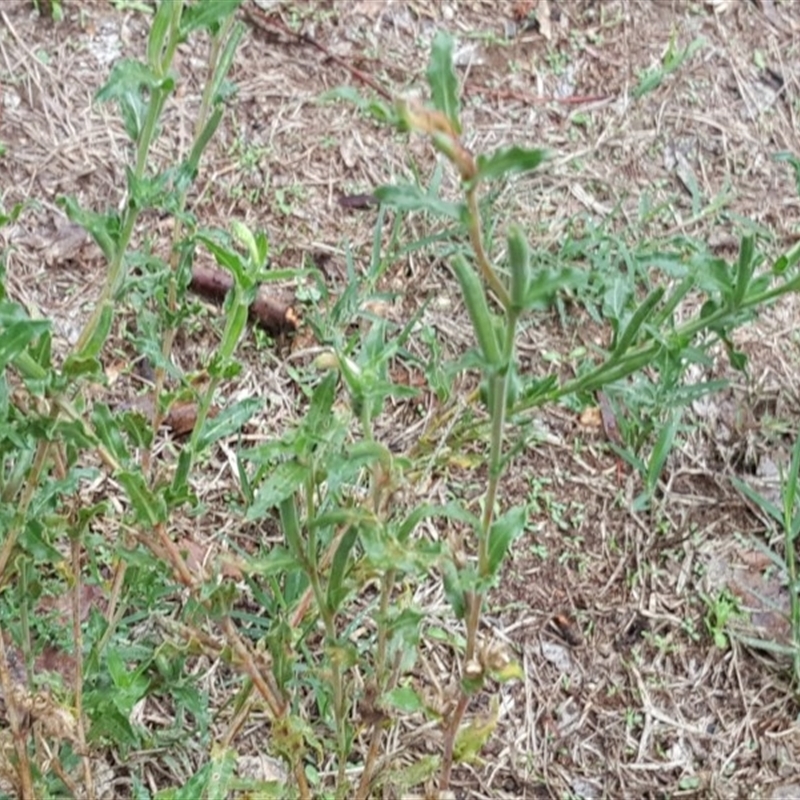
(329,654)
(57,438)
(649,334)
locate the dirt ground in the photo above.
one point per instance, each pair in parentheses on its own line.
(626,694)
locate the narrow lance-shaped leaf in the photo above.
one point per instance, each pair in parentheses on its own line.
(637,320)
(228,421)
(661,450)
(16,337)
(108,431)
(337,589)
(519,266)
(791,514)
(192,164)
(503,533)
(766,505)
(411,198)
(225,62)
(744,269)
(475,300)
(290,522)
(451,511)
(509,161)
(149,507)
(280,485)
(442,79)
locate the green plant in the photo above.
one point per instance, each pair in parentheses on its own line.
(323,630)
(50,8)
(58,435)
(785,517)
(646,334)
(720,611)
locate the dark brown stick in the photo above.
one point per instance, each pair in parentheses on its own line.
(269,312)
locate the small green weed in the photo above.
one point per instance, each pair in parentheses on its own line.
(721,609)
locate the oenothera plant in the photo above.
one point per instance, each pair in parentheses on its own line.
(58,435)
(652,334)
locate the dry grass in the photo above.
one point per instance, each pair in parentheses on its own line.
(621,698)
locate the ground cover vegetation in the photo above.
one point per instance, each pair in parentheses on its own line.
(295,544)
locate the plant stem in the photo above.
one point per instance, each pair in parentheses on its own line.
(177,233)
(18,731)
(116,268)
(498,393)
(77,638)
(31,485)
(476,240)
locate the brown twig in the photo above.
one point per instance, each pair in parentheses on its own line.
(268,312)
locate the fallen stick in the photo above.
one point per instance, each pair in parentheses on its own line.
(274,314)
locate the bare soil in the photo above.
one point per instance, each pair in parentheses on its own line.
(625,693)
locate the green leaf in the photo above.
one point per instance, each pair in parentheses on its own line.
(228,421)
(190,167)
(228,258)
(744,269)
(33,542)
(451,511)
(442,79)
(519,264)
(220,91)
(11,216)
(478,308)
(103,228)
(76,366)
(337,588)
(207,14)
(375,108)
(637,320)
(159,28)
(99,335)
(180,478)
(661,450)
(222,777)
(276,563)
(791,514)
(472,737)
(504,531)
(150,508)
(15,337)
(106,427)
(509,161)
(282,483)
(406,197)
(405,699)
(512,670)
(130,81)
(794,162)
(545,284)
(453,588)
